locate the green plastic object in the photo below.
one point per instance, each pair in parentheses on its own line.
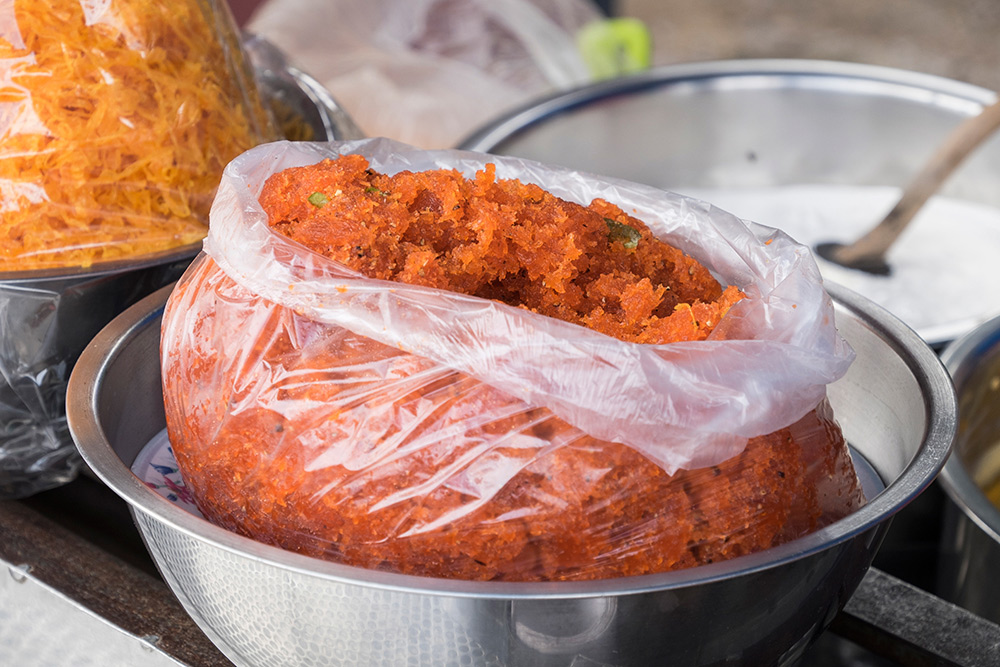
(616,46)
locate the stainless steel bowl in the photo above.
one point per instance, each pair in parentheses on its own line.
(971,542)
(758,124)
(47,317)
(265,606)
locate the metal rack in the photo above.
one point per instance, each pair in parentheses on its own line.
(77,588)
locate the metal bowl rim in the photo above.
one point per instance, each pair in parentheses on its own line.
(955,478)
(99,269)
(520,118)
(918,475)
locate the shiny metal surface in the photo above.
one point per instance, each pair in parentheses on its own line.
(70,633)
(301,92)
(971,540)
(264,606)
(65,599)
(47,317)
(727,124)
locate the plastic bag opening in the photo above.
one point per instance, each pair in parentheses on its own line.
(410,429)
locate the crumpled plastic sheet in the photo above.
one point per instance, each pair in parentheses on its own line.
(45,323)
(704,398)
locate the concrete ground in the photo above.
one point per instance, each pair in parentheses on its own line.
(959,39)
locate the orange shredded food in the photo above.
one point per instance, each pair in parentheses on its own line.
(336,446)
(502,240)
(118,118)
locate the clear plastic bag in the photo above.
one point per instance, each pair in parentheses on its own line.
(429,72)
(116,122)
(425,431)
(44,325)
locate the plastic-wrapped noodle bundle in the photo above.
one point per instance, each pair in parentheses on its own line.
(458,365)
(116,121)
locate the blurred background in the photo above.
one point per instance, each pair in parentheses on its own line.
(381,56)
(952,38)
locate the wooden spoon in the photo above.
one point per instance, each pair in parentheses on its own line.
(868,252)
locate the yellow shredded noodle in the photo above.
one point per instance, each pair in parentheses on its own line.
(117,118)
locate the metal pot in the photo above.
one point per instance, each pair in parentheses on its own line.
(971,542)
(262,605)
(752,122)
(702,128)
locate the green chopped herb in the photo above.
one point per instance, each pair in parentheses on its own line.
(619,231)
(318,199)
(374,188)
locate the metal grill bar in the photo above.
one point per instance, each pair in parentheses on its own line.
(903,623)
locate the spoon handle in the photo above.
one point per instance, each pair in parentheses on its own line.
(959,144)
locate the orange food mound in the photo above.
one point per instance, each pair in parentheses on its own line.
(333,445)
(119,119)
(503,240)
